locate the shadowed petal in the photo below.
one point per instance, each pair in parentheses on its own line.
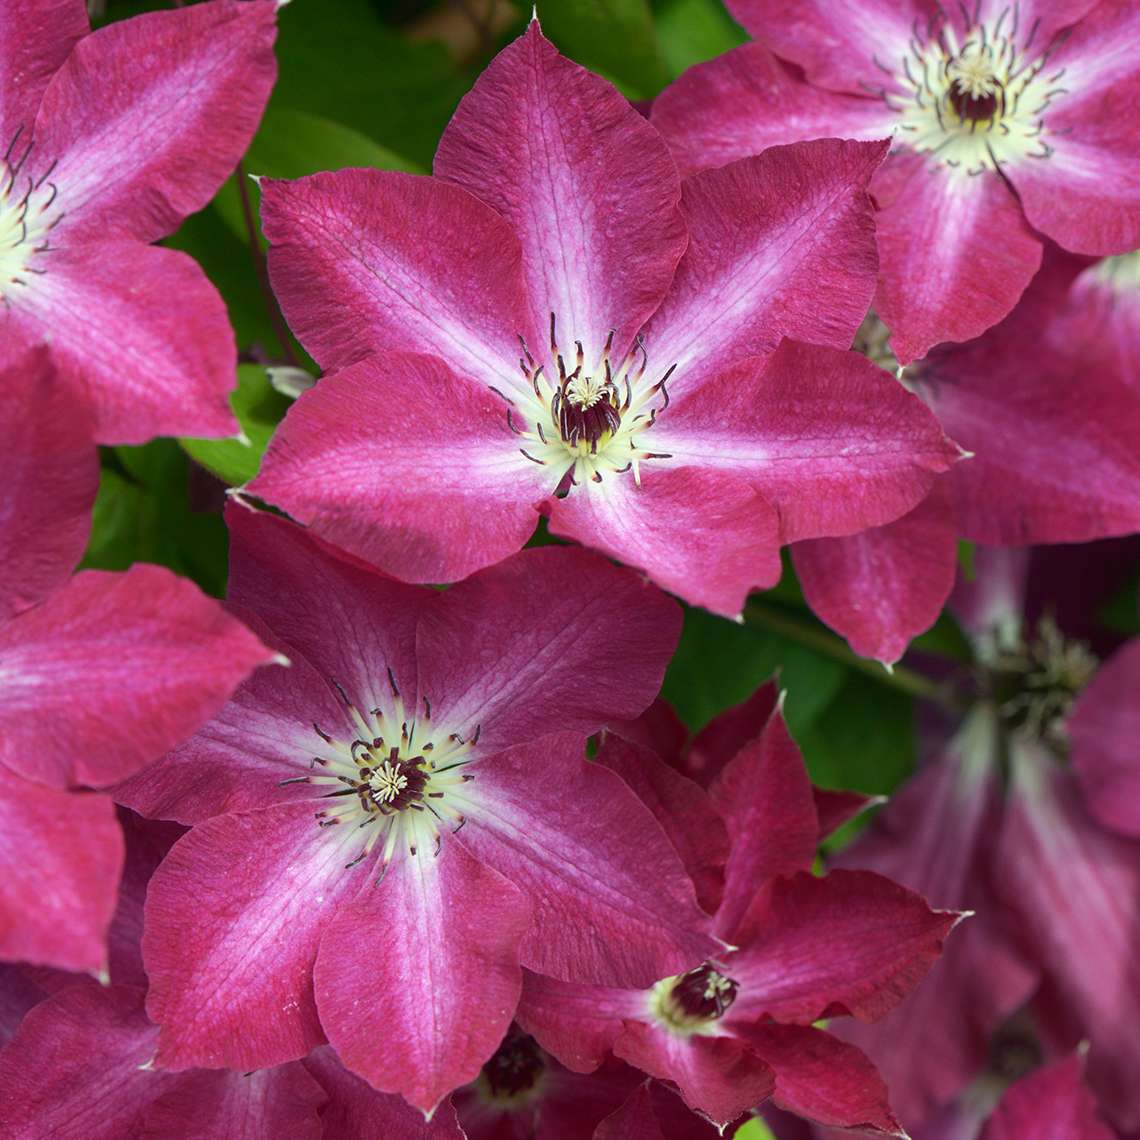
(427,963)
(112,671)
(51,474)
(62,853)
(1050,1104)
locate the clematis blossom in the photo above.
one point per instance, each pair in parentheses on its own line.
(731,1032)
(107,141)
(1005,121)
(382,833)
(99,674)
(555,324)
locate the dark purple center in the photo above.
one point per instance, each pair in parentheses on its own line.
(976,110)
(516,1067)
(704,993)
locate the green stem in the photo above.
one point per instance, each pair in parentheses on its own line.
(762,616)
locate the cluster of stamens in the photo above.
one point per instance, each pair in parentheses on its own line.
(28,214)
(586,421)
(515,1073)
(975,103)
(1036,679)
(691,1003)
(396,778)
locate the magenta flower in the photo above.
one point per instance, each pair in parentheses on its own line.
(107,141)
(1050,1104)
(1008,121)
(99,675)
(555,324)
(732,1031)
(415,784)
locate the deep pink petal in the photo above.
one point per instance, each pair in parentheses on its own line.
(356,1111)
(1086,194)
(51,474)
(705,535)
(936,836)
(282,1101)
(886,585)
(148,116)
(634,1120)
(613,904)
(586,183)
(683,808)
(553,639)
(835,808)
(659,729)
(32,50)
(367,260)
(1053,443)
(747,100)
(20,991)
(992,604)
(832,441)
(725,735)
(112,671)
(720,1077)
(823,1078)
(1101,317)
(1075,888)
(1049,1104)
(850,943)
(147,366)
(234,987)
(62,853)
(780,245)
(765,797)
(74,1071)
(408,465)
(576,1023)
(955,252)
(837,47)
(1104,729)
(441,977)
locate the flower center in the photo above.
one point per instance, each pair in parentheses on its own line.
(1036,679)
(873,340)
(514,1076)
(587,421)
(978,103)
(688,1004)
(28,214)
(391,776)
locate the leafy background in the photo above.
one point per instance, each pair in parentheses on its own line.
(373,83)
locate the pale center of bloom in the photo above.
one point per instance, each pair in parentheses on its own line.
(28,214)
(691,1003)
(978,102)
(1121,273)
(586,420)
(393,776)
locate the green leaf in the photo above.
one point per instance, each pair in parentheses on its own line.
(259,409)
(754,1129)
(143,514)
(294,143)
(691,31)
(720,663)
(864,739)
(337,59)
(612,37)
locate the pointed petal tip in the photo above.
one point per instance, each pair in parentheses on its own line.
(102,976)
(242,438)
(255,178)
(279,659)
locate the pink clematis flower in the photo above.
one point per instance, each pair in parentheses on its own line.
(1005,119)
(107,141)
(99,675)
(554,323)
(415,784)
(734,1031)
(652,1112)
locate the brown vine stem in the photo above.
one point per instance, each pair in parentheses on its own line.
(761,615)
(280,328)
